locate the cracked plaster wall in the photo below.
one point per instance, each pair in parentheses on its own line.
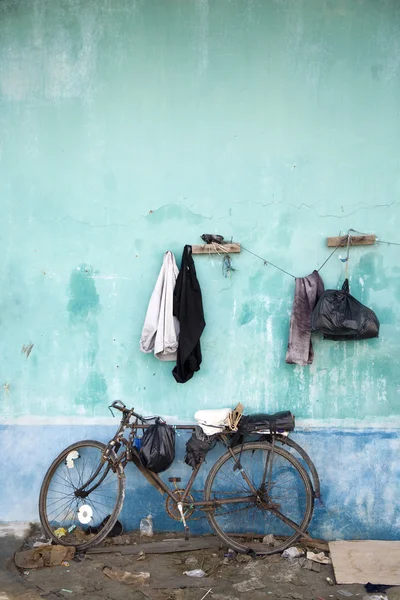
(132,127)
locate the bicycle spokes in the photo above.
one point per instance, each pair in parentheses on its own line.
(82,492)
(278,505)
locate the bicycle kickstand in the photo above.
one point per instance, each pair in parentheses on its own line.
(187,530)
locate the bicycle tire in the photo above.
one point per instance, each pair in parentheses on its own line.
(106,528)
(287,441)
(250,546)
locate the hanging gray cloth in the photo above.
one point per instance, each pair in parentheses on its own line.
(307,292)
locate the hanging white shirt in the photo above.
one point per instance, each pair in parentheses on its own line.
(161,329)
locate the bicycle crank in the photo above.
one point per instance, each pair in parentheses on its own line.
(172,507)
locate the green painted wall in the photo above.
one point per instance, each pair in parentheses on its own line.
(130,127)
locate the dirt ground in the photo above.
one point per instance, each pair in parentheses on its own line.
(229,578)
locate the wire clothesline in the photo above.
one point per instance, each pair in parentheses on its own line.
(267,262)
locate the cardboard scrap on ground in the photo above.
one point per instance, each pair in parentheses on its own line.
(44,556)
(366,561)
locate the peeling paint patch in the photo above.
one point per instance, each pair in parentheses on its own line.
(27,349)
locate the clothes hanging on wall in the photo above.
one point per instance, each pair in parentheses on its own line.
(307,292)
(188,308)
(161,329)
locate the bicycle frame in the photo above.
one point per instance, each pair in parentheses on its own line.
(131,454)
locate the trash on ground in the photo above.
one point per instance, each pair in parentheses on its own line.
(141,556)
(249,585)
(141,578)
(195,573)
(206,594)
(60,532)
(292,552)
(45,556)
(330,581)
(320,558)
(228,556)
(305,563)
(366,560)
(65,563)
(376,597)
(191,561)
(269,539)
(68,591)
(243,558)
(345,593)
(146,527)
(371,588)
(40,544)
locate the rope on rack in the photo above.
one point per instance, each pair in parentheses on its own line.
(267,262)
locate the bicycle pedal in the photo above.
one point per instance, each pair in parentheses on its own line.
(174,479)
(187,533)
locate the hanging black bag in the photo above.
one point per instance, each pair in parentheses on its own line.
(197,447)
(157,451)
(339,316)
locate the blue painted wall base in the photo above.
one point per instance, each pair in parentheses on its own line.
(360,481)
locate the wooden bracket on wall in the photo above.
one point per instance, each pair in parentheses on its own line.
(228,248)
(355,240)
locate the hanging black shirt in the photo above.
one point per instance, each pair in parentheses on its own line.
(188,308)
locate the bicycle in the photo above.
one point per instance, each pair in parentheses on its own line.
(255,488)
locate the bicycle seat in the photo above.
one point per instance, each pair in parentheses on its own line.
(213,420)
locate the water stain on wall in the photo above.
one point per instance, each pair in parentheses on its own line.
(84,299)
(83,307)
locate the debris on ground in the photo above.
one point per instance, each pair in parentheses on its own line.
(357,562)
(243,558)
(320,558)
(260,578)
(305,563)
(146,527)
(330,581)
(249,585)
(371,588)
(376,597)
(191,561)
(60,532)
(40,544)
(293,552)
(138,579)
(195,573)
(269,539)
(345,593)
(44,556)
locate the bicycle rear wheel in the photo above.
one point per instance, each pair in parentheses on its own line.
(283,505)
(81,496)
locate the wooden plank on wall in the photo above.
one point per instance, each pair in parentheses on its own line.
(230,248)
(355,240)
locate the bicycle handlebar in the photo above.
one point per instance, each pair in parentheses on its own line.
(119,405)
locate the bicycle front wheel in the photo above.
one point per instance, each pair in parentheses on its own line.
(260,490)
(81,496)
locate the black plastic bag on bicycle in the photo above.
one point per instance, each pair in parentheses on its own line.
(339,316)
(198,446)
(157,451)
